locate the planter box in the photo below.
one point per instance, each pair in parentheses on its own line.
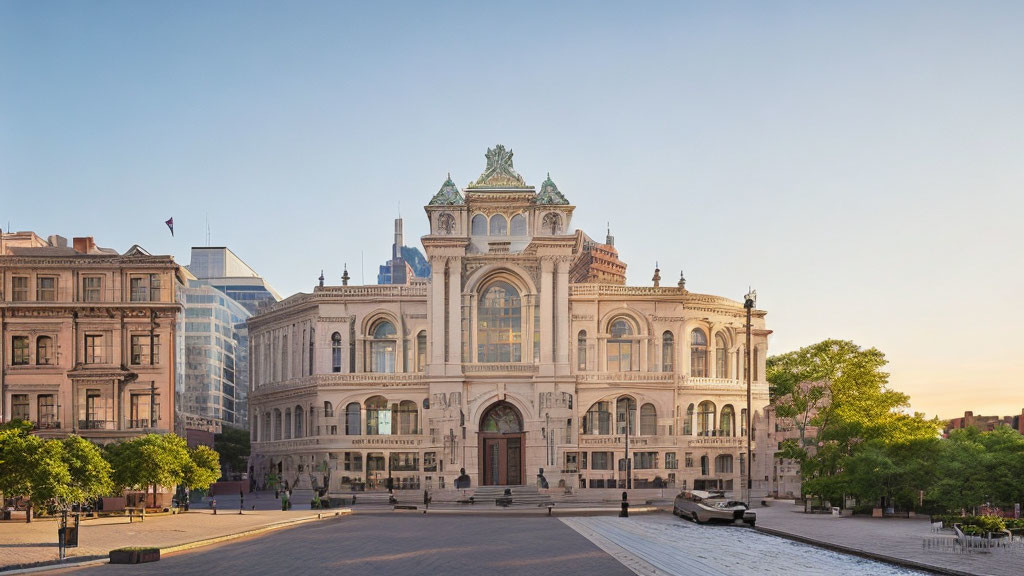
(128,556)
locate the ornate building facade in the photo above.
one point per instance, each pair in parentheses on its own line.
(88,337)
(502,363)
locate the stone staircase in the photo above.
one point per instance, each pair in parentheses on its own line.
(522,496)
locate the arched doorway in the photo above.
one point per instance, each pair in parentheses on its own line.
(501,446)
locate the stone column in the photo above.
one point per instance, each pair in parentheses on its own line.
(546,318)
(562,312)
(455,312)
(436,309)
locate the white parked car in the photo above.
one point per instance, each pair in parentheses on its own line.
(701,506)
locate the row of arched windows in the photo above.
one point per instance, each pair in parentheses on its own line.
(498,225)
(709,423)
(622,351)
(383,349)
(20,348)
(600,419)
(381,417)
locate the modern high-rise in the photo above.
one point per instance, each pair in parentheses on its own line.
(406,263)
(219,267)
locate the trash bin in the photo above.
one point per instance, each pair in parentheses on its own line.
(71,536)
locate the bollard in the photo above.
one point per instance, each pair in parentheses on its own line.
(214,507)
(624,513)
(241,501)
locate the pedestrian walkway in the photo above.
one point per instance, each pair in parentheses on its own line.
(36,542)
(661,544)
(897,538)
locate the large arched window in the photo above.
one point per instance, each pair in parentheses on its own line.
(421,351)
(352,426)
(581,351)
(407,418)
(312,347)
(625,412)
(648,420)
(328,410)
(620,346)
(44,350)
(688,423)
(378,416)
(499,226)
(266,428)
(499,324)
(383,347)
(698,353)
(502,418)
(479,225)
(518,225)
(704,466)
(721,357)
(723,464)
(598,420)
(336,352)
(287,423)
(299,411)
(728,426)
(668,352)
(706,418)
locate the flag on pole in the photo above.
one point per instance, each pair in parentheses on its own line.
(170,225)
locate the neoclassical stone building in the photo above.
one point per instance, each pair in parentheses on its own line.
(502,365)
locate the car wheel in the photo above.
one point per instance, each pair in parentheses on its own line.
(696,518)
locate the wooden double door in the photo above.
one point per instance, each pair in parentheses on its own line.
(502,459)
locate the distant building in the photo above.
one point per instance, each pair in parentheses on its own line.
(219,267)
(985,423)
(213,384)
(87,337)
(598,263)
(405,264)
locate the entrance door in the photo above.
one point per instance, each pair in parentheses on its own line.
(503,460)
(501,446)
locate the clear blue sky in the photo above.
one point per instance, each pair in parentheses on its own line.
(859,164)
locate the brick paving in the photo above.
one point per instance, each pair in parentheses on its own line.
(396,545)
(29,543)
(899,538)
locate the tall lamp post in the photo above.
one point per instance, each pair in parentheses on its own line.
(748,303)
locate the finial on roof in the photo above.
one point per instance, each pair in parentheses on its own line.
(345,276)
(321,278)
(657,276)
(549,193)
(682,280)
(448,195)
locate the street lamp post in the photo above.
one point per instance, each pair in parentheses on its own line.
(748,303)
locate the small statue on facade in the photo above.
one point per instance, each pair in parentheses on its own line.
(463,480)
(542,482)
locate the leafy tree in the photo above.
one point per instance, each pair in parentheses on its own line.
(233,445)
(202,469)
(34,468)
(149,461)
(90,472)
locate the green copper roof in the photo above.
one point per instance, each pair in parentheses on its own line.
(448,195)
(549,193)
(499,172)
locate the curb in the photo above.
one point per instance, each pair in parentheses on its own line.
(901,562)
(82,561)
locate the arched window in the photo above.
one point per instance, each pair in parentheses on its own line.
(287,423)
(407,418)
(255,428)
(625,411)
(721,357)
(312,342)
(328,410)
(668,352)
(551,224)
(688,423)
(266,429)
(378,417)
(479,225)
(598,420)
(581,351)
(336,352)
(421,351)
(352,426)
(299,412)
(620,346)
(277,423)
(743,422)
(727,426)
(383,347)
(706,418)
(499,324)
(499,226)
(44,350)
(648,420)
(704,466)
(501,418)
(698,353)
(517,225)
(723,464)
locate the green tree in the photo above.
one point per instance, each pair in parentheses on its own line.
(233,446)
(90,472)
(149,461)
(34,468)
(202,469)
